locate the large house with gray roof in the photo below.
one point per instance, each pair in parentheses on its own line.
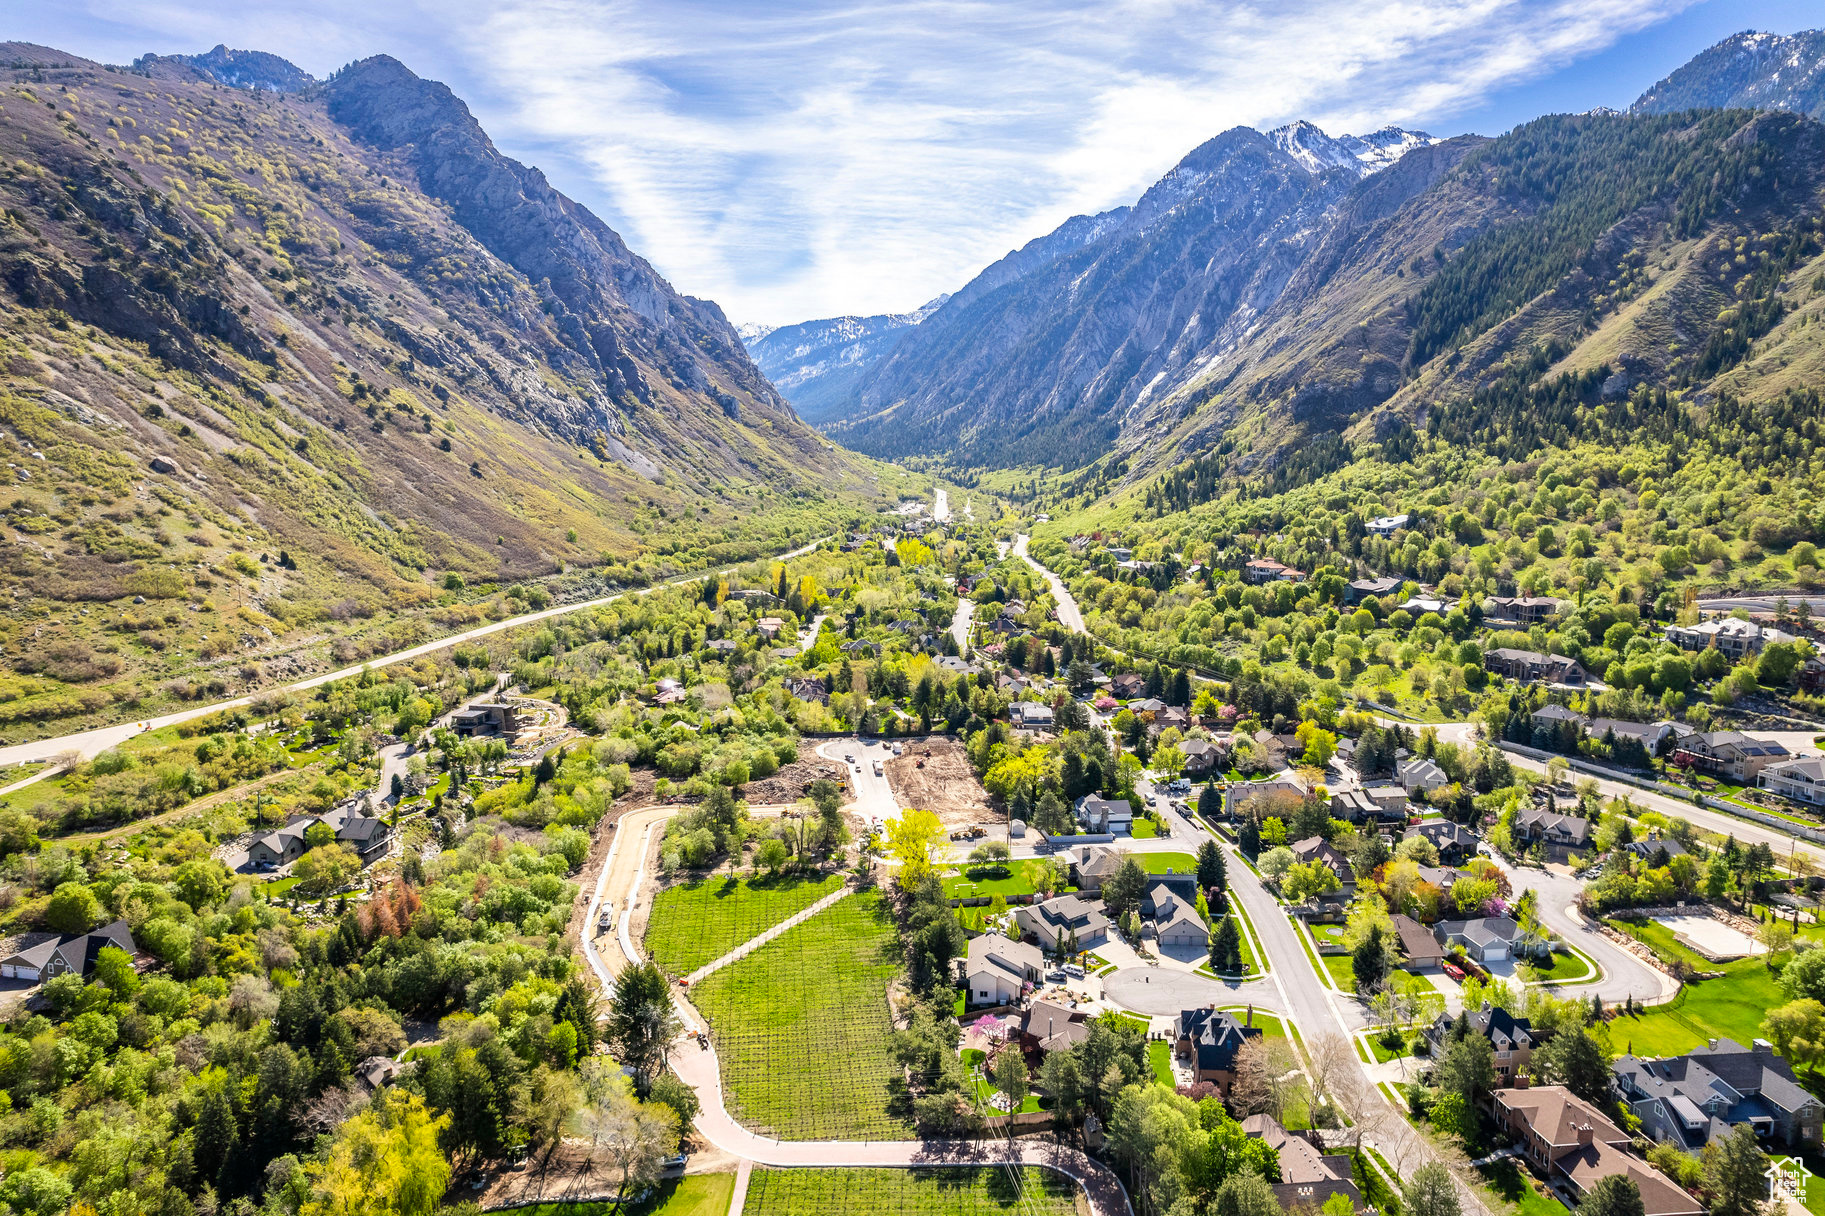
(1692,1099)
(997,969)
(1066,918)
(45,956)
(1209,1042)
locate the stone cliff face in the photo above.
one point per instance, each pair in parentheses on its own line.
(609,306)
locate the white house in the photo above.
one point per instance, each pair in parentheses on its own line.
(996,969)
(1801,779)
(1388,525)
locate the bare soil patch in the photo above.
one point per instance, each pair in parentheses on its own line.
(789,784)
(944,784)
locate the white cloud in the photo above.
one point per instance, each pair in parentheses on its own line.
(793,158)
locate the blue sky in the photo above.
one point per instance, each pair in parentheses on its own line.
(793,159)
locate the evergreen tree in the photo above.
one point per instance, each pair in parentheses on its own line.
(1213,873)
(1226,948)
(1615,1195)
(1369,961)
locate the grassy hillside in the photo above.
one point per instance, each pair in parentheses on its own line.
(265,403)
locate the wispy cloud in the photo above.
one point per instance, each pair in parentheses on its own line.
(800,159)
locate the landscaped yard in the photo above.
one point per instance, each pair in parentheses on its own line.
(1564,968)
(1159,1054)
(922,1192)
(695,922)
(801,1027)
(694,1195)
(1518,1191)
(1019,881)
(1159,863)
(1732,1007)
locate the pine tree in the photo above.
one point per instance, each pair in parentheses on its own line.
(1226,948)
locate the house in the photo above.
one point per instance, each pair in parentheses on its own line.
(1391,798)
(722,645)
(1653,736)
(1364,588)
(1128,685)
(1455,843)
(1267,570)
(1317,848)
(1556,716)
(1654,847)
(1419,605)
(1362,806)
(1308,1177)
(1728,753)
(376,1071)
(51,955)
(769,627)
(1573,1144)
(1208,1043)
(1387,525)
(1047,1026)
(1091,864)
(1031,715)
(1112,815)
(1420,773)
(1737,638)
(1487,939)
(1526,609)
(669,692)
(1693,1098)
(1119,554)
(808,689)
(1551,829)
(1202,757)
(996,970)
(1240,794)
(353,823)
(1174,918)
(1801,779)
(1064,918)
(1147,708)
(485,718)
(1511,1039)
(1417,943)
(1530,667)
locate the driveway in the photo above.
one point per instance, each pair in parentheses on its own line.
(1163,991)
(1624,975)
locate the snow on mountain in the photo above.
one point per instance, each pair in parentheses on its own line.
(1362,155)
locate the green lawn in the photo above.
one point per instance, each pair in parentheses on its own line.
(921,1192)
(801,1027)
(1159,863)
(1270,1025)
(1520,1193)
(1145,829)
(1342,973)
(693,1195)
(1565,967)
(695,922)
(1658,938)
(985,1091)
(1018,882)
(1732,1007)
(1383,1053)
(1159,1054)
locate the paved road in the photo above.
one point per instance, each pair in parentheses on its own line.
(1761,603)
(960,623)
(941,506)
(89,742)
(874,799)
(1068,615)
(1624,975)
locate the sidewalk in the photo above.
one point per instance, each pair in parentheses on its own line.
(766,935)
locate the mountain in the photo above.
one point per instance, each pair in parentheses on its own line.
(237,69)
(284,372)
(1360,154)
(816,364)
(1048,354)
(1751,69)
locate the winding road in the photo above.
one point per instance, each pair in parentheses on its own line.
(89,742)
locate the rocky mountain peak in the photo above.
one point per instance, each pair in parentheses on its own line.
(1362,155)
(236,69)
(1751,69)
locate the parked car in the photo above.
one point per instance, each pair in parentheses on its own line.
(1454,972)
(1074,971)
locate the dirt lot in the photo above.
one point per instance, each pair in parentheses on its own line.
(789,783)
(945,785)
